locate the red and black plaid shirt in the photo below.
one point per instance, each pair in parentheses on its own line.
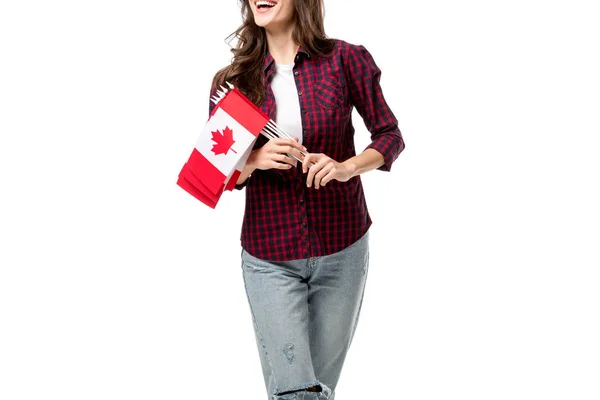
(286,220)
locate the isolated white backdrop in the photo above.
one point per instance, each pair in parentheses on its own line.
(483,283)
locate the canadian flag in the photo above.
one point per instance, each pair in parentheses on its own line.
(222,149)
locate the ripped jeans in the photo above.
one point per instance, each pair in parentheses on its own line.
(305,314)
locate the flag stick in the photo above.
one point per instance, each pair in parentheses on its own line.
(270,130)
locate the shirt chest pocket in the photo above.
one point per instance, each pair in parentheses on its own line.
(329,93)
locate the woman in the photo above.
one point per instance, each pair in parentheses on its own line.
(305,229)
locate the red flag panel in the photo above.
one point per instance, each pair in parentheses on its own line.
(191,189)
(199,177)
(210,176)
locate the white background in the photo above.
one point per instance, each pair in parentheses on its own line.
(483,283)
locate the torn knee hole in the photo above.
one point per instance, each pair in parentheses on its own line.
(316,388)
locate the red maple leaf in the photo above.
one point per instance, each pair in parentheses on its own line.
(223,141)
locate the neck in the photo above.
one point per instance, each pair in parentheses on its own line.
(281,45)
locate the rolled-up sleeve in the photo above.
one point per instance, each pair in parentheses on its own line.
(366,95)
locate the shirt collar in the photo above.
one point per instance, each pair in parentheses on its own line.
(269,58)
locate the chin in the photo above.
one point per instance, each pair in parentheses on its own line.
(262,22)
(265,16)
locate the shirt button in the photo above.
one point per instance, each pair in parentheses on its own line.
(304,224)
(304,111)
(296,73)
(300,93)
(301,200)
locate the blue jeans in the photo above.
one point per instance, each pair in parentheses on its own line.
(304,314)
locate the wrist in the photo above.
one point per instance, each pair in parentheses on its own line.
(351,167)
(250,165)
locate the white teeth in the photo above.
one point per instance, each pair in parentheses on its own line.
(265,3)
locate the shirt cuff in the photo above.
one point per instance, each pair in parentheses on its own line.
(243,184)
(390,145)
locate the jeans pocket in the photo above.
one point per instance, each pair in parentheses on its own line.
(249,263)
(253,267)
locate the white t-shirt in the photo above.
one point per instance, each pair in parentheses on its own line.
(286,97)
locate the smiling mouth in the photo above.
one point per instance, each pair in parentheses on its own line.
(263,5)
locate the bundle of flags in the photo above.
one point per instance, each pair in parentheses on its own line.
(224,145)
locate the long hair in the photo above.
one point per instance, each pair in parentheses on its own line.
(246,69)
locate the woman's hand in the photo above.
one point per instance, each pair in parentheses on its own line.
(274,154)
(322,169)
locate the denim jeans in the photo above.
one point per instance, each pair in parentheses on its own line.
(305,314)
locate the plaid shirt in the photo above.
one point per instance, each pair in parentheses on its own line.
(286,220)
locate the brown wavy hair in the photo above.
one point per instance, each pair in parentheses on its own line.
(246,69)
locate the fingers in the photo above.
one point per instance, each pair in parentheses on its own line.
(283,158)
(296,154)
(291,148)
(285,149)
(278,153)
(277,161)
(286,145)
(328,177)
(318,179)
(309,159)
(279,165)
(318,170)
